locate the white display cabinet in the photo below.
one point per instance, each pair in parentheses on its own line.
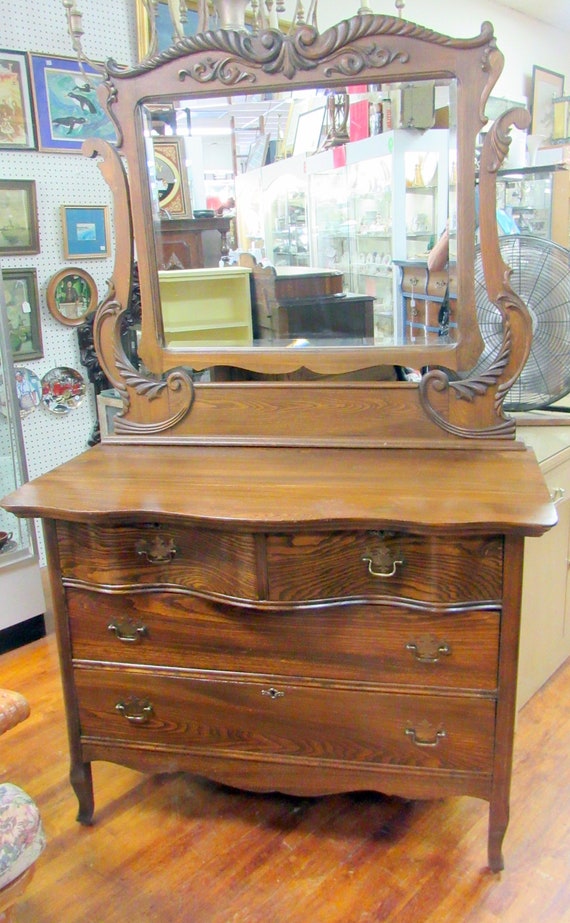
(386,198)
(272,212)
(20,579)
(537,199)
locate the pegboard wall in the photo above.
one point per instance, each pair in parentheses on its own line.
(62,179)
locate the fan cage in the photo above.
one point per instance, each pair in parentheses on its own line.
(541,278)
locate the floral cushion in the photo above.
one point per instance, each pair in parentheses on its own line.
(22,838)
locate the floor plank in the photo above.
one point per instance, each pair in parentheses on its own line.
(179,849)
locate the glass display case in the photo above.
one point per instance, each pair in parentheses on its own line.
(535,201)
(272,212)
(20,581)
(381,203)
(286,228)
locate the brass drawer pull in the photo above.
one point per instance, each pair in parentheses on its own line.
(127,631)
(273,693)
(137,711)
(428,649)
(419,735)
(382,573)
(160,549)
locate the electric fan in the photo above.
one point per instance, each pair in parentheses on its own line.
(541,278)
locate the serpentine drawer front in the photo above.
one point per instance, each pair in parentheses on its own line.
(372,644)
(285,567)
(342,564)
(204,560)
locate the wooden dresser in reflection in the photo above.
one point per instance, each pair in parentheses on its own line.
(428,301)
(297,302)
(193,243)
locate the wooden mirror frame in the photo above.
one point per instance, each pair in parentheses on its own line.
(437,411)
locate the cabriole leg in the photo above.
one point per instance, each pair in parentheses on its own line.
(81,779)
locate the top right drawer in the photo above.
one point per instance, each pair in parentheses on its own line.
(436,570)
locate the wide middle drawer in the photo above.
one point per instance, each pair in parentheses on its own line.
(357,642)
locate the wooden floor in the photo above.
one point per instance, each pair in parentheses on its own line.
(176,848)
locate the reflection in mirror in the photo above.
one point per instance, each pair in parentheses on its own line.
(304,218)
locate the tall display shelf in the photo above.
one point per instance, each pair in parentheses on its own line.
(23,605)
(353,198)
(538,200)
(272,212)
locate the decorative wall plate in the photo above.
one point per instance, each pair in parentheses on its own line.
(71,295)
(63,389)
(10,545)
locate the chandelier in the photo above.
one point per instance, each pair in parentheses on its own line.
(240,15)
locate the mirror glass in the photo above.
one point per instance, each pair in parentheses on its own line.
(304,218)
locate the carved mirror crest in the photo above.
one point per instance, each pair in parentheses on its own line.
(210,366)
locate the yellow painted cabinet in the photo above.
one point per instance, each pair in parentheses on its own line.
(205,307)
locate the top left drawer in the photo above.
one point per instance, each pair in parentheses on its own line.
(203,560)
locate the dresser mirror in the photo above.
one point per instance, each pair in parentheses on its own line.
(220,266)
(276,179)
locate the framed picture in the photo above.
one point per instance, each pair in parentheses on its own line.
(164,25)
(22,308)
(546,87)
(308,134)
(16,115)
(165,28)
(171,177)
(86,231)
(561,120)
(257,153)
(66,104)
(18,217)
(71,295)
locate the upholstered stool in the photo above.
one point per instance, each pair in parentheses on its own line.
(22,837)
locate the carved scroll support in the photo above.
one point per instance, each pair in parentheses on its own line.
(490,387)
(171,396)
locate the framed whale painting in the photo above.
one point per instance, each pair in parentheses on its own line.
(66,104)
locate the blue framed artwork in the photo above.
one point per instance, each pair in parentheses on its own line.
(85,231)
(67,107)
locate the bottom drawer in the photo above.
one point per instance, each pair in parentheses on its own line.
(228,716)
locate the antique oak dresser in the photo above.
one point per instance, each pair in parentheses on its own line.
(297,576)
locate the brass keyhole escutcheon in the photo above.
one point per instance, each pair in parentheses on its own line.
(272,693)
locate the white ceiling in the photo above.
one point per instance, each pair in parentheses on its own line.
(553,12)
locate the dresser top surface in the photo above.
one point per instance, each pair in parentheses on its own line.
(259,488)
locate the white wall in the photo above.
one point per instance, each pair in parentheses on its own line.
(110,31)
(522,40)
